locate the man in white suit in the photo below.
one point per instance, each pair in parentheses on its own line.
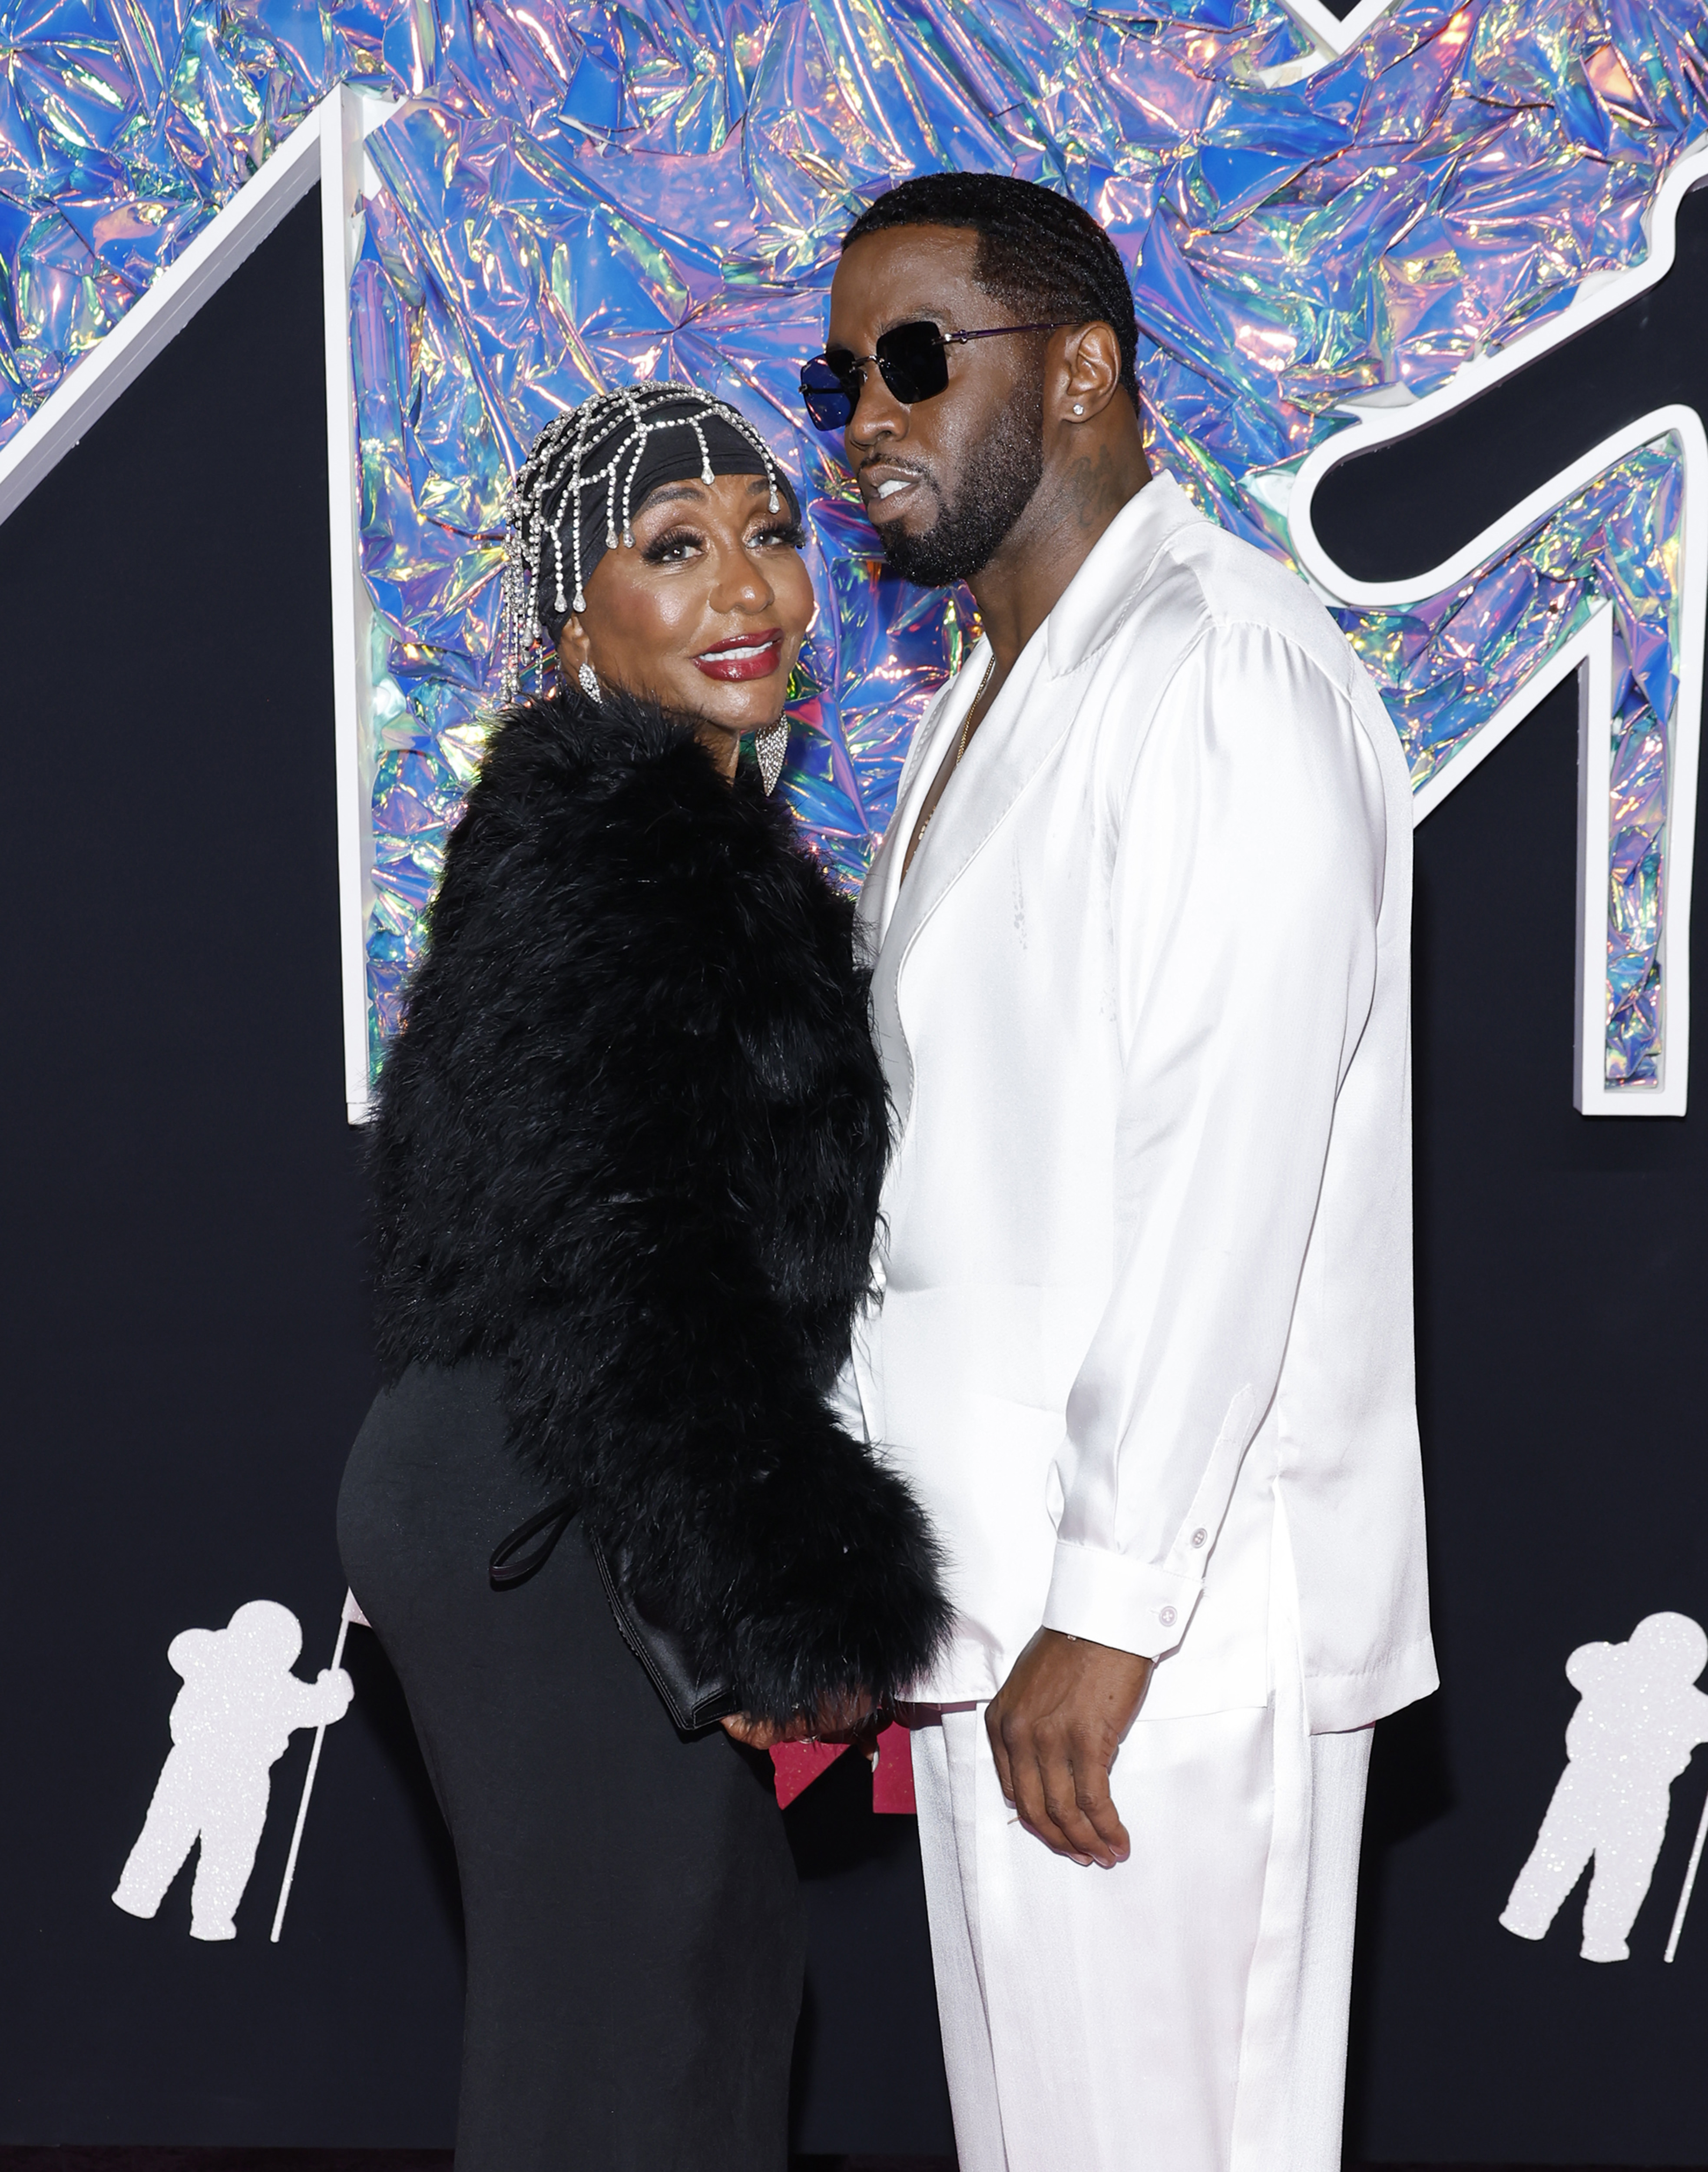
(1143,1334)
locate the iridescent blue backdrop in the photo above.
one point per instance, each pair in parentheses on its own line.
(575,195)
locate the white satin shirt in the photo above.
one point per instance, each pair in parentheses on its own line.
(1143,1327)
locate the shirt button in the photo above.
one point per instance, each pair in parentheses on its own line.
(1167,1617)
(1199,1537)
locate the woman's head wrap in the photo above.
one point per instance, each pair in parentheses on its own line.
(575,495)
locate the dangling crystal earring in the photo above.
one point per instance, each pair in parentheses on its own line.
(590,682)
(770,745)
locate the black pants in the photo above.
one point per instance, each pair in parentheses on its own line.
(634,1933)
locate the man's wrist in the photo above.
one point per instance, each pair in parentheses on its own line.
(1103,1598)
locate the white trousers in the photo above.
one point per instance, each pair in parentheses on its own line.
(1185,2012)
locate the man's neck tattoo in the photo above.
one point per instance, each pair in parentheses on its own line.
(1094,489)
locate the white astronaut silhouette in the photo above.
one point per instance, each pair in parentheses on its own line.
(1638,1720)
(231,1723)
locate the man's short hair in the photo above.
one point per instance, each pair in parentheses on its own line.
(1040,254)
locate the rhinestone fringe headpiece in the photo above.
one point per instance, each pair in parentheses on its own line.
(552,479)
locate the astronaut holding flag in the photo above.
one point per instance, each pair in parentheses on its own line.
(1639,1719)
(232,1721)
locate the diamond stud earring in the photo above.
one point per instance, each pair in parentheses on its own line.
(1079,407)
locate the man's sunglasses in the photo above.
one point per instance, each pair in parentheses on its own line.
(912,359)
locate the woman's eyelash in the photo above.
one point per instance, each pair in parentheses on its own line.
(673,540)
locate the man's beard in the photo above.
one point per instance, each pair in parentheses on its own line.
(972,526)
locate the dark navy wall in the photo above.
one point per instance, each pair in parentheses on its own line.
(187,1351)
(1562,1294)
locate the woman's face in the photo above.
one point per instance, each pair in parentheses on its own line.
(706,613)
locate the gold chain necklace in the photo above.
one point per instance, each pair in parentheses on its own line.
(960,749)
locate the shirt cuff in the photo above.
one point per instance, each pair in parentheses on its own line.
(1108,1599)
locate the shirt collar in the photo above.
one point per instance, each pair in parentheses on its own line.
(1089,608)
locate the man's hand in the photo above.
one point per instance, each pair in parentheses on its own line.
(1055,1726)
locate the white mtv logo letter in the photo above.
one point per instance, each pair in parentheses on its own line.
(1638,1721)
(232,1721)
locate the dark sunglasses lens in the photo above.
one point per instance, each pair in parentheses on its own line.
(825,390)
(915,361)
(827,411)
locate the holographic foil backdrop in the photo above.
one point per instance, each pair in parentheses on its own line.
(575,195)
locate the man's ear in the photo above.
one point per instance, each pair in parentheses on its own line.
(573,648)
(1090,372)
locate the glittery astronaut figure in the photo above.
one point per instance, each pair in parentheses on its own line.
(233,1717)
(1638,1721)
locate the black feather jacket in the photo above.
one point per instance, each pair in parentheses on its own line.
(631,1145)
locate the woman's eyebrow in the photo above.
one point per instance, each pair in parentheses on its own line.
(688,493)
(670,494)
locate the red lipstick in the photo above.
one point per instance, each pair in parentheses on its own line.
(747,656)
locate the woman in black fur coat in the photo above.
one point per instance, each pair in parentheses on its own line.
(627,1157)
